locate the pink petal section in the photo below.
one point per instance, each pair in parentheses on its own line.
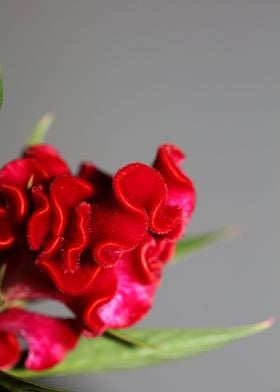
(9,350)
(131,301)
(138,276)
(48,339)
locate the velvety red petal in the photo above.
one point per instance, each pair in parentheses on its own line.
(22,279)
(7,237)
(72,283)
(138,203)
(16,202)
(15,178)
(66,193)
(77,237)
(49,159)
(140,187)
(39,222)
(100,180)
(48,339)
(20,171)
(69,233)
(115,230)
(152,254)
(181,190)
(9,350)
(101,292)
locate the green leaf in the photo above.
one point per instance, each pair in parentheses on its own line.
(10,383)
(125,338)
(106,354)
(199,241)
(39,132)
(1,88)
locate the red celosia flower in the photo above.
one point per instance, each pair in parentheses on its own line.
(101,240)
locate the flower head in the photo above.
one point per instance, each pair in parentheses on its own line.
(94,241)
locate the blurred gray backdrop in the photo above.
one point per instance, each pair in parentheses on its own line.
(123,76)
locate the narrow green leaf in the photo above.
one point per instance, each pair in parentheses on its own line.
(39,132)
(199,241)
(10,383)
(1,88)
(125,338)
(105,354)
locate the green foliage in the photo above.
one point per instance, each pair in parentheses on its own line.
(199,241)
(107,353)
(10,383)
(125,338)
(39,132)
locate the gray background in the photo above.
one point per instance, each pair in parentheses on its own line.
(123,76)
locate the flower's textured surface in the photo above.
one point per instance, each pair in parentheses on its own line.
(39,166)
(94,241)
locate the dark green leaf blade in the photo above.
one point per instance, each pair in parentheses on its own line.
(1,88)
(199,241)
(39,132)
(104,354)
(10,383)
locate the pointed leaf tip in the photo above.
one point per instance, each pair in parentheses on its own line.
(266,324)
(199,241)
(41,129)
